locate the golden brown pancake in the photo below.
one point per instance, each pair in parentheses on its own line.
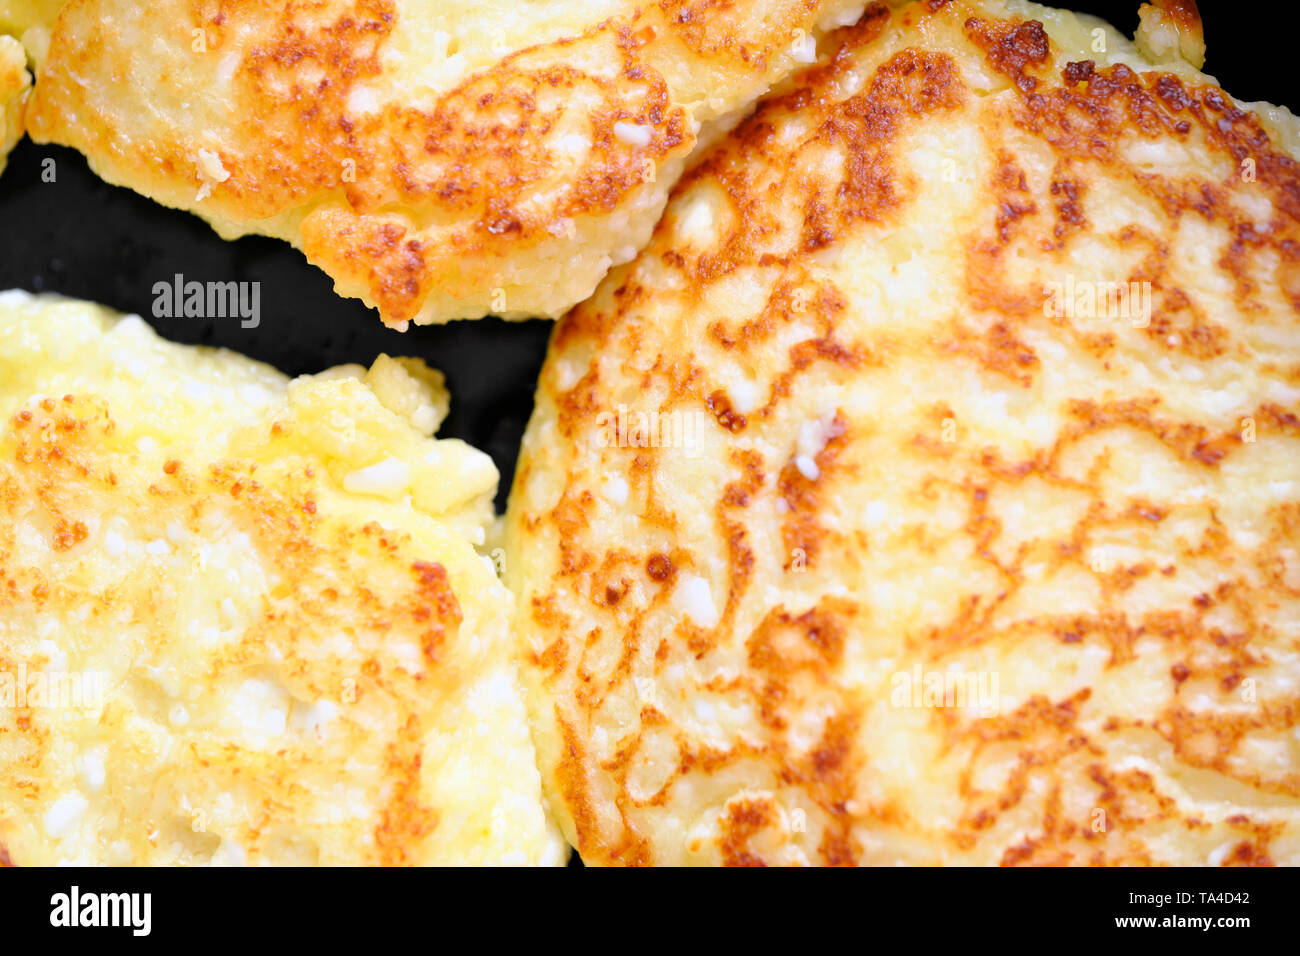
(439,160)
(928,490)
(14,84)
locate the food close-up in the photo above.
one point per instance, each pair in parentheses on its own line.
(620,433)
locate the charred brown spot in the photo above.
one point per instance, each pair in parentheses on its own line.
(1012,47)
(1079,71)
(720,405)
(660,567)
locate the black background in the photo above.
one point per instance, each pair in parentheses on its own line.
(907,910)
(81,237)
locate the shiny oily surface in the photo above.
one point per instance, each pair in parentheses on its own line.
(928,490)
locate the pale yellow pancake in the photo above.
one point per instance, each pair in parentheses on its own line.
(242,619)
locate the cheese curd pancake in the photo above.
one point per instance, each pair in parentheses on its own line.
(928,490)
(14,85)
(242,619)
(438,160)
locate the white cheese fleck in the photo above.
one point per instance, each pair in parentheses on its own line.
(805,49)
(210,166)
(694,599)
(313,718)
(574,144)
(567,374)
(387,479)
(697,224)
(425,419)
(615,491)
(64,814)
(563,227)
(813,437)
(229,853)
(92,767)
(633,134)
(1220,853)
(211,172)
(362,99)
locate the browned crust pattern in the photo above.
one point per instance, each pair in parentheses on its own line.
(55,453)
(1081,112)
(434,193)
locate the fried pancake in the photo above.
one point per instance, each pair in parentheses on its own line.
(928,490)
(19,16)
(242,619)
(437,160)
(14,84)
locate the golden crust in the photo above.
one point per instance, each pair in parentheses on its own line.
(437,162)
(14,83)
(223,639)
(920,563)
